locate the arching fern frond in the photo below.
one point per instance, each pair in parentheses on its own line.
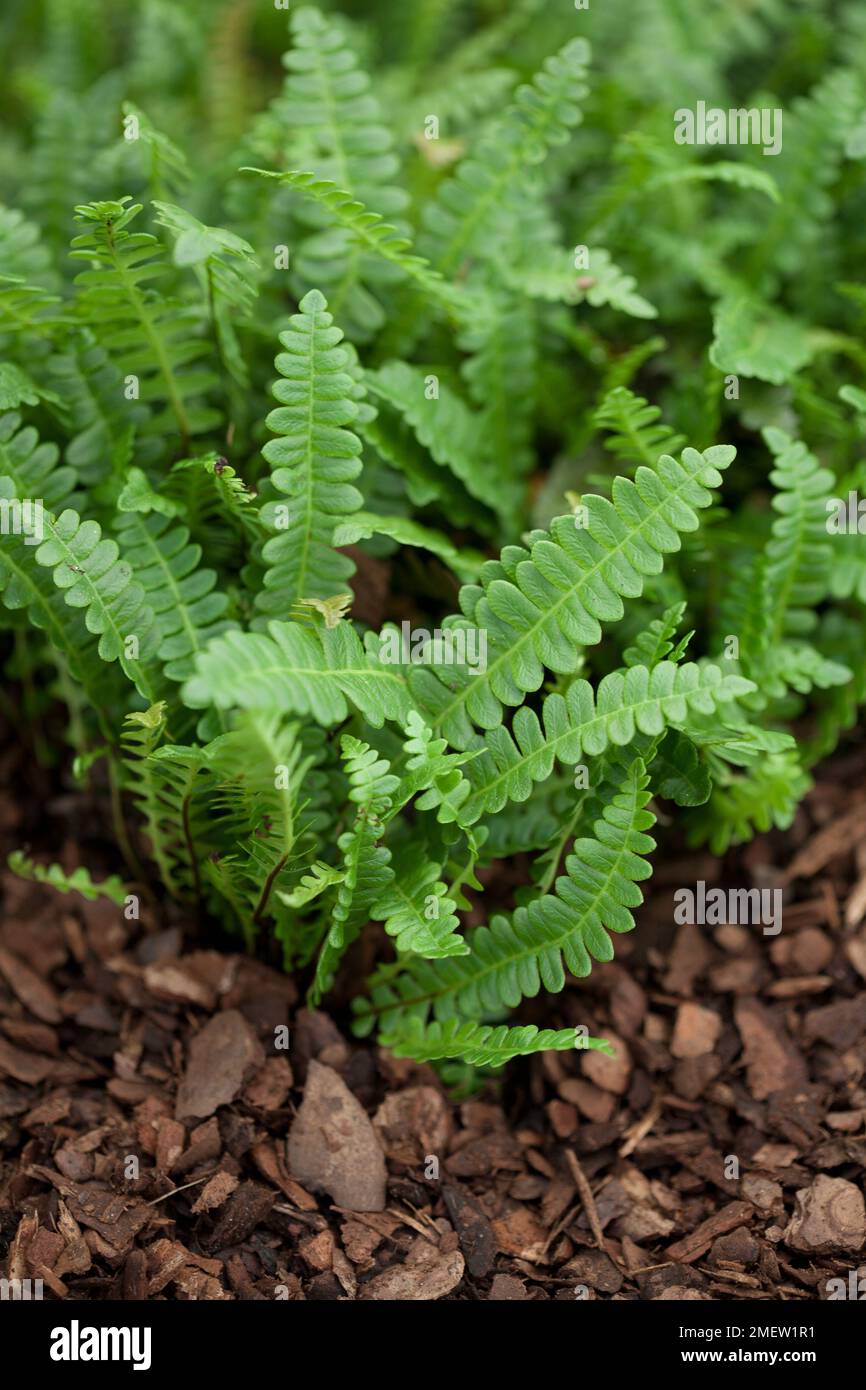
(633,424)
(516,956)
(79,881)
(449,430)
(470,207)
(373,234)
(227,269)
(298,669)
(416,910)
(584,723)
(32,465)
(365,862)
(481,1045)
(540,605)
(164,781)
(156,335)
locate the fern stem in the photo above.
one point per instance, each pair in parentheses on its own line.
(190,847)
(119,822)
(268,887)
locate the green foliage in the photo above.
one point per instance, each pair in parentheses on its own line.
(79,881)
(374,524)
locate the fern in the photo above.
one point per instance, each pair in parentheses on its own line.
(416,910)
(316,460)
(155,335)
(636,435)
(484,1046)
(539,606)
(382,653)
(188,612)
(365,863)
(473,205)
(302,671)
(584,723)
(86,567)
(79,881)
(163,779)
(515,957)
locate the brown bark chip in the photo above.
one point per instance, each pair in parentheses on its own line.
(830,1216)
(426,1274)
(34,992)
(773,1063)
(246,1208)
(610,1073)
(696,1031)
(697,1243)
(333,1147)
(215,1192)
(413,1123)
(477,1240)
(221,1056)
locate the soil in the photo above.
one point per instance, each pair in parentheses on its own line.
(150,1080)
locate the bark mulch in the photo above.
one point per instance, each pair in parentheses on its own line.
(159,1139)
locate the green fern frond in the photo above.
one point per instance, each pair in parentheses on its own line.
(481,1045)
(164,165)
(764,797)
(470,207)
(516,956)
(26,309)
(79,881)
(317,880)
(798,555)
(102,423)
(315,460)
(636,435)
(416,909)
(375,236)
(539,606)
(583,723)
(298,670)
(450,432)
(260,767)
(163,781)
(25,585)
(655,642)
(227,269)
(463,560)
(32,465)
(154,337)
(365,862)
(189,611)
(86,566)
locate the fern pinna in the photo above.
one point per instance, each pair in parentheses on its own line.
(370,537)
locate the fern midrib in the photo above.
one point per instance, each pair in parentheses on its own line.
(330,672)
(143,533)
(784,593)
(336,133)
(309,464)
(139,305)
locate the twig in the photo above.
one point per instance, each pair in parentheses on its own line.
(643,1126)
(175,1190)
(581,1182)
